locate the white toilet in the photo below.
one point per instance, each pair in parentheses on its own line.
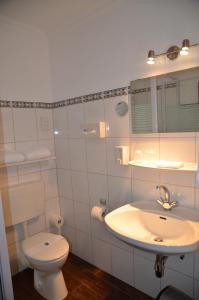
(45,252)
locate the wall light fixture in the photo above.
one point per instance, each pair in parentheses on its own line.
(172,53)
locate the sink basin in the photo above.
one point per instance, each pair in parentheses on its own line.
(147,226)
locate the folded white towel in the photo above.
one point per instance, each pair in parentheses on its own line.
(8,157)
(37,153)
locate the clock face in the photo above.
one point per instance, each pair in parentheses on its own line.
(121,108)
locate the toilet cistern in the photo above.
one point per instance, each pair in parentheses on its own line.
(165,202)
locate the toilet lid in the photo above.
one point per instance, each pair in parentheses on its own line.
(45,246)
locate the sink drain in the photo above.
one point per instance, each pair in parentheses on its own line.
(158,239)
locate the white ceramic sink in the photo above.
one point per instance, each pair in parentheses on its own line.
(147,226)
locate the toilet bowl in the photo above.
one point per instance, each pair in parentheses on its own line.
(46,253)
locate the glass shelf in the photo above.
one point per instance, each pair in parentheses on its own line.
(26,162)
(187,166)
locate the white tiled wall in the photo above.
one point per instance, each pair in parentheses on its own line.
(22,129)
(91,173)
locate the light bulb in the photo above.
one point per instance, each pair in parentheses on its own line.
(185,47)
(150,61)
(184,51)
(151,57)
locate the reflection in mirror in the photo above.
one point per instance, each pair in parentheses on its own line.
(166,103)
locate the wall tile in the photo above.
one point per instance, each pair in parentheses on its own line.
(197,197)
(44,123)
(97,188)
(114,168)
(77,154)
(75,120)
(94,111)
(67,211)
(62,153)
(80,187)
(84,246)
(146,148)
(65,183)
(29,177)
(102,255)
(184,266)
(52,205)
(144,276)
(185,196)
(178,178)
(8,172)
(177,144)
(116,126)
(144,190)
(48,164)
(96,155)
(120,244)
(122,265)
(99,230)
(60,122)
(70,234)
(36,225)
(145,254)
(14,234)
(29,131)
(26,146)
(12,250)
(196,290)
(10,181)
(29,168)
(119,191)
(48,144)
(196,269)
(7,126)
(50,180)
(82,217)
(180,281)
(145,174)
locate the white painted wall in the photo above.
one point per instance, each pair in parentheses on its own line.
(109,48)
(24,63)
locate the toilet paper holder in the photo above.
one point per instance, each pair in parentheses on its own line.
(103,204)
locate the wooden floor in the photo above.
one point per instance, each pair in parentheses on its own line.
(84,282)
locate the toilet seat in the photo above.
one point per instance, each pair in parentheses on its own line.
(45,247)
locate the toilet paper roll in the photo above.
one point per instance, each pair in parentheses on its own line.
(56,221)
(98,213)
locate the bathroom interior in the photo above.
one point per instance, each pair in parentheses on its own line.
(99,143)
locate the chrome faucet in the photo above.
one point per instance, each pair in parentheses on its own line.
(165,202)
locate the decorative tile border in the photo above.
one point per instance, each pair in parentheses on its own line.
(26,104)
(144,90)
(70,101)
(82,99)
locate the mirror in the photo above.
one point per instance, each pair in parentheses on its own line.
(166,103)
(121,108)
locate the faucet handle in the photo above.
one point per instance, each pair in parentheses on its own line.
(159,201)
(173,203)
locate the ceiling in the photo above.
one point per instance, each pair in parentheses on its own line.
(49,15)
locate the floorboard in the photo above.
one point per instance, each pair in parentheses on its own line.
(84,282)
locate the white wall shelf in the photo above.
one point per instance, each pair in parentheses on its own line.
(26,162)
(152,164)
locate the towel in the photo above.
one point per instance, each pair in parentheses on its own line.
(8,157)
(37,153)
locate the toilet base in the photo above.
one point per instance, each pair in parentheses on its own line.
(50,285)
